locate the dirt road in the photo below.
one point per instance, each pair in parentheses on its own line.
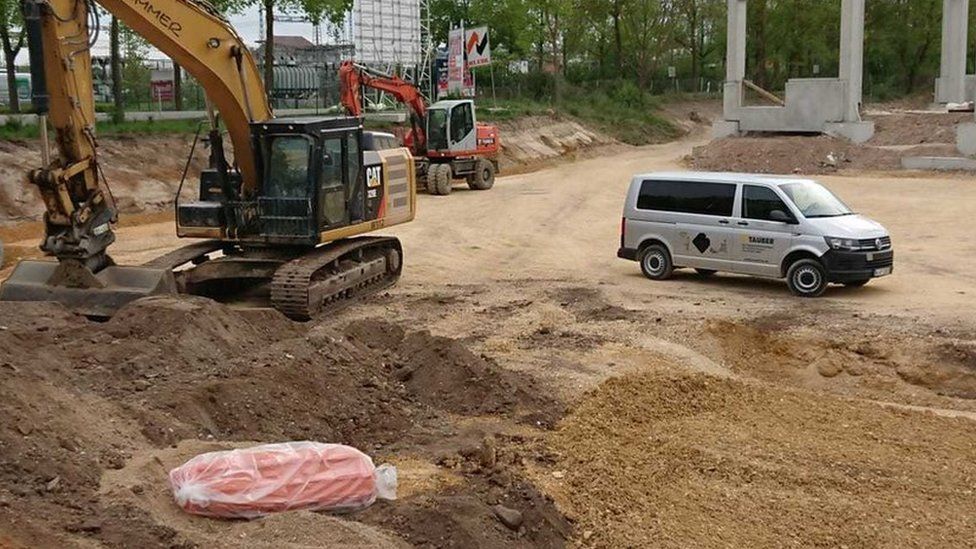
(774,420)
(564,223)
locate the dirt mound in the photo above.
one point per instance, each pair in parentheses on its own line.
(140,177)
(445,374)
(456,518)
(897,135)
(83,401)
(534,139)
(920,370)
(803,155)
(916,128)
(645,457)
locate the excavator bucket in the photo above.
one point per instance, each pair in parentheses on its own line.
(75,287)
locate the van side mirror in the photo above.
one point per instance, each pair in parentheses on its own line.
(781,216)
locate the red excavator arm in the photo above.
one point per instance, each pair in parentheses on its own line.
(352,79)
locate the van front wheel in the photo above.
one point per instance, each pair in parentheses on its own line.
(807,278)
(655,262)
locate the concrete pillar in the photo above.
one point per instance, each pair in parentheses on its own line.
(852,54)
(950,87)
(735,59)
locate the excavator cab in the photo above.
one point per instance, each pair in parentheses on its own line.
(311,182)
(451,126)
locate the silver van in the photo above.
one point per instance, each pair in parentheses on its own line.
(751,224)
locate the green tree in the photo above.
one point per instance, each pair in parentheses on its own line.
(316,10)
(698,23)
(12,37)
(647,30)
(135,73)
(902,42)
(115,64)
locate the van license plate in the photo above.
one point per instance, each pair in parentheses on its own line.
(883,271)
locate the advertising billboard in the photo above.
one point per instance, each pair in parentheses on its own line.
(455,61)
(477,47)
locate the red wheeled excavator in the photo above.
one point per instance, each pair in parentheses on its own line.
(446,139)
(287,221)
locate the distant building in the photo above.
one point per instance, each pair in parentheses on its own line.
(290,51)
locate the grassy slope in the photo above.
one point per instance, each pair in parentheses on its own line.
(625,114)
(633,126)
(15,130)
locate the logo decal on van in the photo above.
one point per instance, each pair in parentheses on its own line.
(761,240)
(702,242)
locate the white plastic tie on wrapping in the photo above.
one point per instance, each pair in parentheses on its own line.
(386,482)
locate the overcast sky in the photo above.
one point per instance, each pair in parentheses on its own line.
(248,25)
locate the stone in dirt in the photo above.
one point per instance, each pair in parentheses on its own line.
(828,368)
(511,518)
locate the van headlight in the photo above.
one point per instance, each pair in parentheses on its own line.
(843,244)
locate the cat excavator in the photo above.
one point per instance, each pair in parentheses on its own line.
(283,219)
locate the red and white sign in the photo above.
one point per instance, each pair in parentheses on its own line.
(477,47)
(162,90)
(161,84)
(455,61)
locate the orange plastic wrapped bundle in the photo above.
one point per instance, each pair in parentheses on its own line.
(254,482)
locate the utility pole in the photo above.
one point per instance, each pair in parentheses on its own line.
(426,80)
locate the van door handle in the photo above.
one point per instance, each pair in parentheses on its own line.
(744,223)
(723,221)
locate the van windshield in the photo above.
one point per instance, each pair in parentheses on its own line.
(814,200)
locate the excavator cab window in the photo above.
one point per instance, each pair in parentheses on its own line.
(332,192)
(462,122)
(341,199)
(437,129)
(288,167)
(354,179)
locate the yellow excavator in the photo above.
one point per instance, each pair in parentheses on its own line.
(280,222)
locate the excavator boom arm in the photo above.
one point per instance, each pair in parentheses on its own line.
(192,32)
(198,38)
(353,78)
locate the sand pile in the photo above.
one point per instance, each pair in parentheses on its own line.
(684,460)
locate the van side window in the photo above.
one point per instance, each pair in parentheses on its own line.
(758,202)
(687,197)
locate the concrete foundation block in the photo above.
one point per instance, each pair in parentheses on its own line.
(725,128)
(857,132)
(966,138)
(940,163)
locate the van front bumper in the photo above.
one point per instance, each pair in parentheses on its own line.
(853,266)
(627,253)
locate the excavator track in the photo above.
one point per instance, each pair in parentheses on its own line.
(329,278)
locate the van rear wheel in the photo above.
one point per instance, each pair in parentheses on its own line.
(807,278)
(655,262)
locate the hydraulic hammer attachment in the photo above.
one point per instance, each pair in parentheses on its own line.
(73,285)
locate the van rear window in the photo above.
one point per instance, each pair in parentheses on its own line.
(687,197)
